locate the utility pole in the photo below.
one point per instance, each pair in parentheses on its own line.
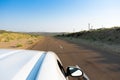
(91,27)
(88,26)
(102,26)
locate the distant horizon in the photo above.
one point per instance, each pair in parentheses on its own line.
(58,15)
(60,32)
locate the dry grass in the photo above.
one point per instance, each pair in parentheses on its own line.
(17,40)
(103,35)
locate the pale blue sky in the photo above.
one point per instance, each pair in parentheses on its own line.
(58,15)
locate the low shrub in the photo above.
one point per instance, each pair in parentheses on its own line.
(19,45)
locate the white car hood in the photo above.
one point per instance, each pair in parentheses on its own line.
(28,65)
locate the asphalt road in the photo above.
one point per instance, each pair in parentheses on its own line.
(98,65)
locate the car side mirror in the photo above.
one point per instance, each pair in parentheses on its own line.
(74,71)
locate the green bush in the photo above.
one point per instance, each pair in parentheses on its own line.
(19,45)
(30,42)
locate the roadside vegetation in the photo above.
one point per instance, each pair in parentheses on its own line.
(103,38)
(17,40)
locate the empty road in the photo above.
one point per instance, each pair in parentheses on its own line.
(97,65)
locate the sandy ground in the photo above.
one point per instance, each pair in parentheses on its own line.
(98,65)
(25,43)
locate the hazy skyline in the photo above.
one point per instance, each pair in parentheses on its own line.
(58,15)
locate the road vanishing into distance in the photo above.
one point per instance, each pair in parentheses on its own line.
(98,65)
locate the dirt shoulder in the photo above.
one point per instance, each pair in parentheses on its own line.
(103,47)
